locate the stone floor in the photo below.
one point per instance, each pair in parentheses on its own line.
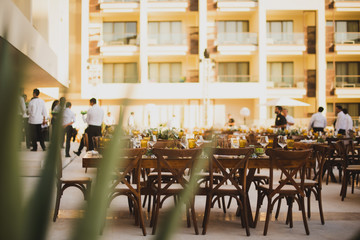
(342,219)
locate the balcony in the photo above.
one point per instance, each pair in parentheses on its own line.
(125,79)
(346,5)
(237,43)
(119,44)
(286,86)
(168,79)
(347,81)
(168,5)
(285,43)
(236,78)
(347,43)
(165,44)
(236,5)
(118,6)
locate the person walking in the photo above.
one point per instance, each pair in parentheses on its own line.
(341,123)
(68,120)
(26,124)
(131,121)
(37,117)
(280,120)
(94,119)
(317,121)
(289,119)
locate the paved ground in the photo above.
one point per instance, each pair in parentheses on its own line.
(342,219)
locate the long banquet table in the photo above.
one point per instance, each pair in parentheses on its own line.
(92,161)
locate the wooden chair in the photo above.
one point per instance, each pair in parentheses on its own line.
(175,162)
(130,164)
(82,183)
(351,166)
(289,162)
(237,161)
(86,144)
(321,154)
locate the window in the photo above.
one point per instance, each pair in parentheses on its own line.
(347,26)
(165,73)
(329,23)
(280,74)
(347,74)
(166,33)
(120,73)
(118,33)
(232,31)
(330,107)
(233,72)
(279,26)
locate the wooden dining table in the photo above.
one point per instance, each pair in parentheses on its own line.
(92,161)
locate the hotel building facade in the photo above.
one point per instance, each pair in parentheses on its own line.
(202,59)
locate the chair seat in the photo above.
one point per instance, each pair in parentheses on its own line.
(174,186)
(77,180)
(353,167)
(286,188)
(306,182)
(123,187)
(229,187)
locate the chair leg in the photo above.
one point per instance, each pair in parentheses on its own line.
(258,205)
(193,215)
(188,222)
(223,203)
(156,214)
(304,215)
(268,216)
(140,215)
(344,186)
(320,207)
(57,203)
(206,214)
(245,217)
(278,209)
(308,196)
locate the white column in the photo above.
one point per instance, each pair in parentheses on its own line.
(321,58)
(143,34)
(85,87)
(262,60)
(202,36)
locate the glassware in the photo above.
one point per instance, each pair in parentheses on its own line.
(143,143)
(282,141)
(264,141)
(192,143)
(235,143)
(271,143)
(290,143)
(242,142)
(184,142)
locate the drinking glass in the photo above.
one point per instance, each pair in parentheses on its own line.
(282,141)
(264,141)
(290,144)
(192,143)
(235,143)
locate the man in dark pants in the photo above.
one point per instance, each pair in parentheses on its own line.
(280,120)
(341,123)
(94,119)
(68,120)
(37,117)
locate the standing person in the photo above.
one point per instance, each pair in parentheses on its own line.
(349,121)
(131,121)
(280,120)
(94,119)
(68,120)
(26,123)
(289,119)
(37,117)
(53,113)
(317,121)
(109,120)
(341,123)
(22,112)
(173,122)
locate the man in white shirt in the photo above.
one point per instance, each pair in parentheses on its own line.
(131,121)
(37,117)
(94,119)
(289,119)
(349,121)
(341,123)
(109,120)
(68,120)
(317,121)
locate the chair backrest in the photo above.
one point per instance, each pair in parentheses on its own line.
(96,142)
(130,162)
(289,162)
(235,159)
(321,154)
(175,161)
(340,148)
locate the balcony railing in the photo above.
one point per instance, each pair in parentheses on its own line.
(121,1)
(286,81)
(347,81)
(237,38)
(126,79)
(119,39)
(285,38)
(169,79)
(236,78)
(167,38)
(347,37)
